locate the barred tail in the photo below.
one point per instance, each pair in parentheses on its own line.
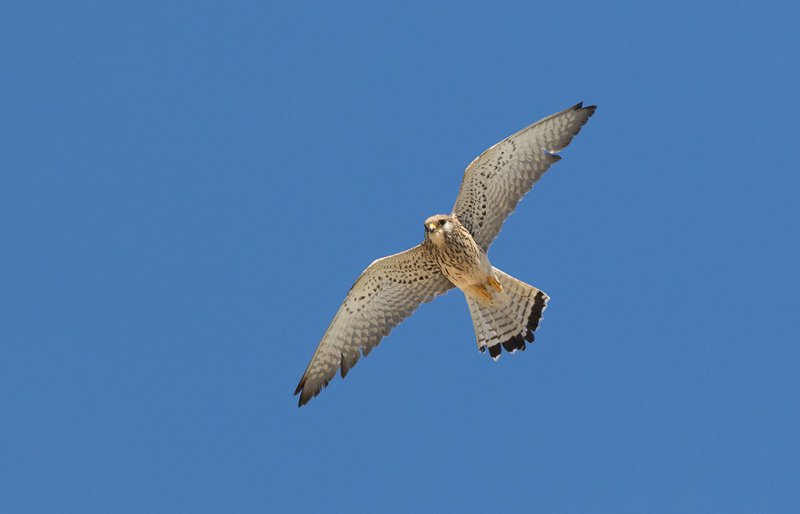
(512,317)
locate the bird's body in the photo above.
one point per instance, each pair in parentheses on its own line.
(505,311)
(460,258)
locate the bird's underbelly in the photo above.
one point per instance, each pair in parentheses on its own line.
(463,278)
(462,272)
(462,263)
(469,270)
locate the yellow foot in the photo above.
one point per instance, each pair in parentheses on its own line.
(495,284)
(485,294)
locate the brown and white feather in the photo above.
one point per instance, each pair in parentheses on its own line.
(385,294)
(497,179)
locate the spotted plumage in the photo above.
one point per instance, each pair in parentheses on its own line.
(505,311)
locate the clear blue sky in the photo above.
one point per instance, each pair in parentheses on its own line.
(168,171)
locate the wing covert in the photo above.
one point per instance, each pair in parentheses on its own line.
(497,179)
(386,293)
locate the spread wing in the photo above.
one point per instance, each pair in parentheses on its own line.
(497,179)
(385,294)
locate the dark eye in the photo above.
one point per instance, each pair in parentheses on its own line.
(441,222)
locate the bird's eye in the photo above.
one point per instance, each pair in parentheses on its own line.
(441,222)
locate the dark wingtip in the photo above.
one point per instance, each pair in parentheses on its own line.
(308,393)
(589,108)
(494,351)
(306,396)
(300,385)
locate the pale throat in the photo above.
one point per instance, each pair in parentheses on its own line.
(437,237)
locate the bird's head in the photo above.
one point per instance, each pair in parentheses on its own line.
(437,227)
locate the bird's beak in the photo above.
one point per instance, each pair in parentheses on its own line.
(431,227)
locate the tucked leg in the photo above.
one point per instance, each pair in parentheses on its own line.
(483,292)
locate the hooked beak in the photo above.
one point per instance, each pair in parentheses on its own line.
(431,227)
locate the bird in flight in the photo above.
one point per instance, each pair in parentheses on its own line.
(505,311)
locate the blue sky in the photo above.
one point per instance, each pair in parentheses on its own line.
(168,172)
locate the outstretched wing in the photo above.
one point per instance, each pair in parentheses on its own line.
(497,179)
(385,294)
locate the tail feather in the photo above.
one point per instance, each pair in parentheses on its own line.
(512,317)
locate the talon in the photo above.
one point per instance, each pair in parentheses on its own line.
(495,284)
(484,293)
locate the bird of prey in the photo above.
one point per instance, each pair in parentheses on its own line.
(505,311)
